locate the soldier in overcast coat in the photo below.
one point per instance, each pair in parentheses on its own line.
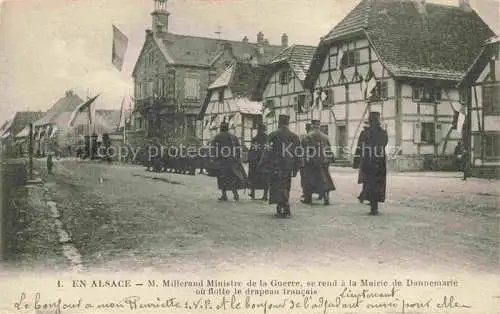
(372,161)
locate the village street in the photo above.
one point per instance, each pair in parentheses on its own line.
(133,219)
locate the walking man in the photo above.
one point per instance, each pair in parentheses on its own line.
(283,162)
(230,173)
(257,177)
(361,196)
(317,178)
(372,161)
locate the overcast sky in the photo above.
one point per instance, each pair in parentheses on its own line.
(50,46)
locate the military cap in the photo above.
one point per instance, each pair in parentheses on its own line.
(374,117)
(283,119)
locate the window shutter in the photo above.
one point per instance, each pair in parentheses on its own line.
(438,134)
(309,100)
(417,132)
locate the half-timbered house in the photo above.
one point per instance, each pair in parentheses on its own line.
(403,59)
(482,85)
(231,98)
(283,89)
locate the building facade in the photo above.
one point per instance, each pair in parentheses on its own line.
(283,89)
(173,73)
(404,60)
(482,85)
(231,98)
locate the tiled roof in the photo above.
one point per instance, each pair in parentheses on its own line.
(202,51)
(21,119)
(67,103)
(223,79)
(299,57)
(489,50)
(440,44)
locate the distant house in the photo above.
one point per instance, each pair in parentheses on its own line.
(15,125)
(173,72)
(403,59)
(283,90)
(231,98)
(53,132)
(482,85)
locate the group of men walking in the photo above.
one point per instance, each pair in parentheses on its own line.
(276,158)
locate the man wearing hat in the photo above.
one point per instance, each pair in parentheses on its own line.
(257,177)
(282,160)
(371,161)
(361,196)
(302,138)
(317,178)
(230,172)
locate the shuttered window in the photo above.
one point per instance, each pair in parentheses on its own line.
(491,99)
(192,88)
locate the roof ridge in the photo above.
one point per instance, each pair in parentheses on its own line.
(223,40)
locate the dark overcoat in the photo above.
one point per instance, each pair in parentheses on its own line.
(282,163)
(257,177)
(317,178)
(230,173)
(372,162)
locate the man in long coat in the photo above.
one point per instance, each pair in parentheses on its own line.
(230,172)
(361,196)
(302,175)
(372,161)
(317,178)
(282,160)
(257,177)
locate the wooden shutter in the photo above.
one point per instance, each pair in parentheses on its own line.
(417,132)
(295,103)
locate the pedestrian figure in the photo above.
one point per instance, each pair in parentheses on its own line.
(361,196)
(50,163)
(317,178)
(302,175)
(458,153)
(372,161)
(282,160)
(230,172)
(257,177)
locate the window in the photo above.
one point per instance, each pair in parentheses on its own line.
(285,77)
(192,88)
(491,99)
(221,96)
(492,145)
(428,133)
(160,89)
(301,102)
(380,92)
(324,128)
(350,59)
(149,92)
(328,98)
(269,103)
(426,94)
(171,85)
(257,120)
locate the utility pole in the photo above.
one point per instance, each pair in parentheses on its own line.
(468,133)
(30,151)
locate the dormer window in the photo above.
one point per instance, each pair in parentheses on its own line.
(426,94)
(221,96)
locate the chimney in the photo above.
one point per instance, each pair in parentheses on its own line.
(420,6)
(245,39)
(266,41)
(260,37)
(284,40)
(464,5)
(69,93)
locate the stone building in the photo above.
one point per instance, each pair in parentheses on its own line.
(173,72)
(403,59)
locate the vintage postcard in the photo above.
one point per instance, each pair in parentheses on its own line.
(250,156)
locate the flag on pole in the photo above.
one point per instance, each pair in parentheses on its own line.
(120,43)
(340,54)
(121,124)
(370,85)
(54,131)
(84,106)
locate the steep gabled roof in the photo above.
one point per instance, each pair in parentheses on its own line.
(241,77)
(68,103)
(298,56)
(439,44)
(21,119)
(489,50)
